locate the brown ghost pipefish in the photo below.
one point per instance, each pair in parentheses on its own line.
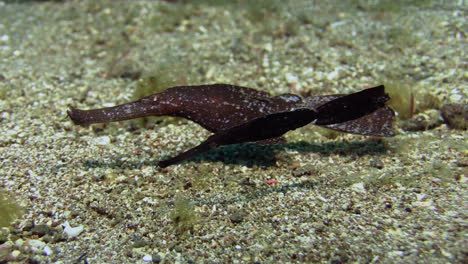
(238,114)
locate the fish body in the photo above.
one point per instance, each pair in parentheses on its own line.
(238,114)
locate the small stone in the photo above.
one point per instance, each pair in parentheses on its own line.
(5,249)
(4,38)
(139,243)
(236,217)
(15,254)
(336,74)
(268,47)
(157,258)
(306,170)
(28,225)
(41,230)
(37,246)
(424,121)
(376,163)
(359,187)
(147,258)
(104,140)
(291,78)
(57,237)
(4,232)
(47,251)
(178,249)
(455,115)
(19,242)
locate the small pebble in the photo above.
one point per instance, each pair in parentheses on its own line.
(359,187)
(47,251)
(4,38)
(139,243)
(4,232)
(37,246)
(28,225)
(291,78)
(104,140)
(236,217)
(423,121)
(41,230)
(15,254)
(19,242)
(455,115)
(376,163)
(147,258)
(36,243)
(57,237)
(306,170)
(157,258)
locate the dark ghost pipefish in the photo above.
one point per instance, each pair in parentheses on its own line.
(238,114)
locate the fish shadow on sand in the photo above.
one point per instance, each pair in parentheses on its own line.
(253,155)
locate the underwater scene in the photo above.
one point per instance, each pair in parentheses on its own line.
(210,131)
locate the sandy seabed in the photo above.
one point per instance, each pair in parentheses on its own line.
(96,195)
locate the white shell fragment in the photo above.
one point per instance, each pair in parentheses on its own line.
(47,251)
(147,258)
(72,231)
(102,141)
(358,187)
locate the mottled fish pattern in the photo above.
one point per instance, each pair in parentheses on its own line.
(239,114)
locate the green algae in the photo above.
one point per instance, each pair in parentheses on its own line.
(408,98)
(174,15)
(390,5)
(161,76)
(3,93)
(184,218)
(402,37)
(441,172)
(401,97)
(9,209)
(4,88)
(201,179)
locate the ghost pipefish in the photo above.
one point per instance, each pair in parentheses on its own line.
(239,114)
